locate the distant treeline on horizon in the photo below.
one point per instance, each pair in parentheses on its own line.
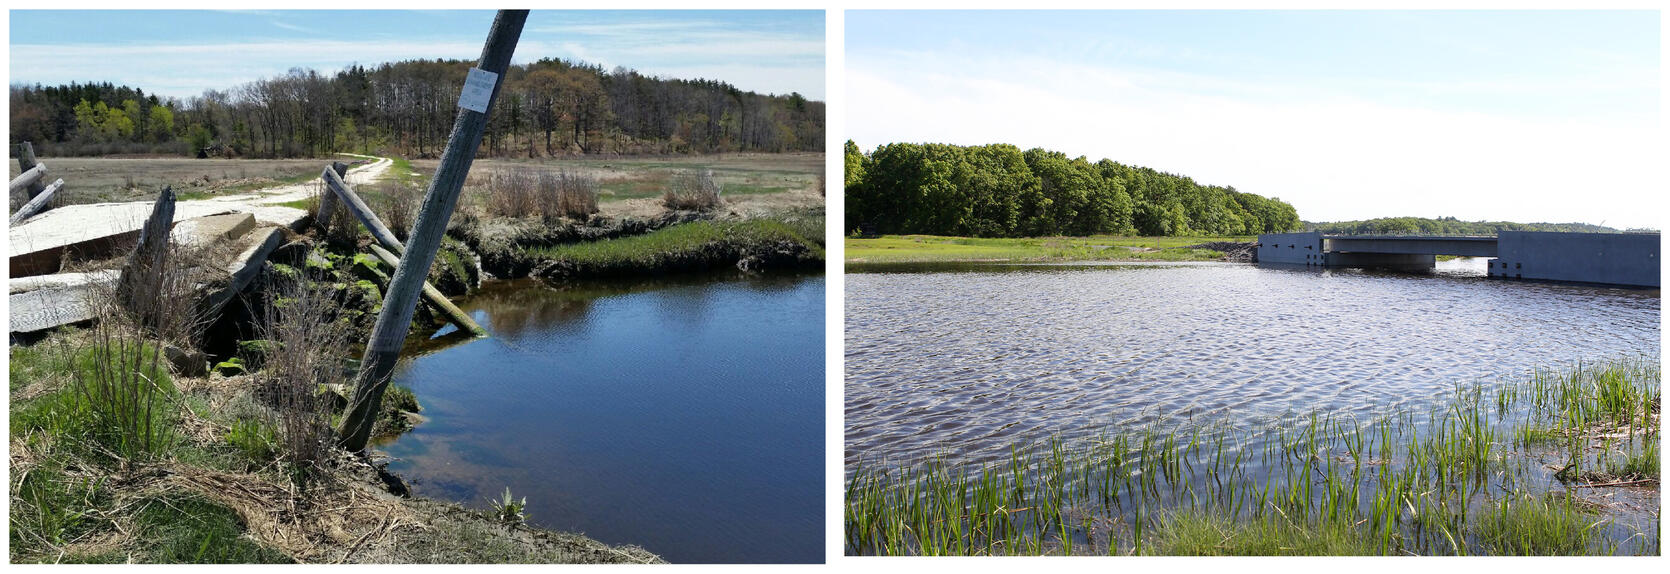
(1447,226)
(998,190)
(549,107)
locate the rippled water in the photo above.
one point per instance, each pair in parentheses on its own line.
(969,360)
(684,416)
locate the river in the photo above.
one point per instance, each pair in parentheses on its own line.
(966,360)
(682,415)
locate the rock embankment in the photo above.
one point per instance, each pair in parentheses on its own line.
(1234,251)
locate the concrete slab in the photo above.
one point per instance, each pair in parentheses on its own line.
(253,250)
(62,301)
(60,281)
(38,245)
(203,231)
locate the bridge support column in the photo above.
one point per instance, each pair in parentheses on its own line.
(1407,262)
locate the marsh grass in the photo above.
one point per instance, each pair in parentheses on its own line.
(1449,479)
(692,246)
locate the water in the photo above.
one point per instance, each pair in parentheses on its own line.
(967,360)
(684,416)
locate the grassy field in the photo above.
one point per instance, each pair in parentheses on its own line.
(1564,462)
(98,180)
(753,183)
(933,248)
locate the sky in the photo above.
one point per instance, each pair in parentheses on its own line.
(1531,116)
(181,53)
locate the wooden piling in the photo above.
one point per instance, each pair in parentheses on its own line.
(327,200)
(357,206)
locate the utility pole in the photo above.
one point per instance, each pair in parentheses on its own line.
(389,334)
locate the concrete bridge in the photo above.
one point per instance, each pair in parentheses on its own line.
(1629,259)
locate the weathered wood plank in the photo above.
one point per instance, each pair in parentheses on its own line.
(36,205)
(434,296)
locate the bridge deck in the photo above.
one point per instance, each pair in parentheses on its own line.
(1469,246)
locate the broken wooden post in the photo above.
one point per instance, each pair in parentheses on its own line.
(26,179)
(36,205)
(481,87)
(25,162)
(434,296)
(327,200)
(140,283)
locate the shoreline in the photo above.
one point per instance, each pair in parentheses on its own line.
(888,249)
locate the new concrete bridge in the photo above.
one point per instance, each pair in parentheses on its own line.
(1629,259)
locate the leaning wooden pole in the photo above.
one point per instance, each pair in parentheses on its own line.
(26,179)
(389,333)
(390,243)
(435,297)
(361,211)
(36,205)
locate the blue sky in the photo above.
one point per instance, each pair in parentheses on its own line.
(1346,114)
(182,52)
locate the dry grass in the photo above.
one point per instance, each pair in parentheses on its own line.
(518,193)
(693,191)
(97,180)
(396,204)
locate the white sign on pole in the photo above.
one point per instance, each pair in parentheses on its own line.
(478,90)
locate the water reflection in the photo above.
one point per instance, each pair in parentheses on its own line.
(683,415)
(968,359)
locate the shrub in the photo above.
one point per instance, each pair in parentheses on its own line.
(689,190)
(303,356)
(397,205)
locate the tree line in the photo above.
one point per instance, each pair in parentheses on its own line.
(1444,226)
(998,190)
(546,108)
